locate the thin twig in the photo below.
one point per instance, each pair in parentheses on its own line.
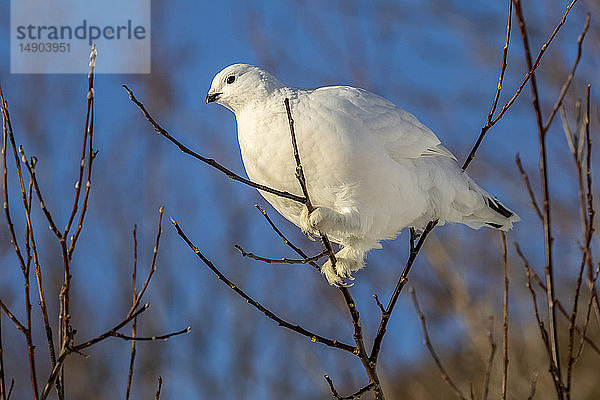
(152,269)
(562,309)
(488,369)
(86,129)
(533,386)
(590,206)
(280,260)
(431,225)
(38,271)
(134,325)
(67,350)
(66,331)
(157,395)
(584,339)
(8,132)
(543,331)
(301,253)
(355,396)
(385,317)
(586,253)
(368,364)
(114,332)
(502,64)
(432,351)
(565,86)
(302,181)
(45,210)
(2,374)
(88,184)
(505,325)
(549,268)
(12,385)
(151,338)
(296,328)
(208,161)
(592,277)
(132,315)
(12,317)
(381,307)
(332,388)
(532,200)
(285,240)
(526,79)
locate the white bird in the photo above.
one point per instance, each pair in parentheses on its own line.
(371,168)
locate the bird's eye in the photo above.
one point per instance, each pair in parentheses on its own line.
(230,79)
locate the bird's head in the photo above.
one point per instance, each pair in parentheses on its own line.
(241,84)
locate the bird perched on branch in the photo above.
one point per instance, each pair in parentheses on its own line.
(371,168)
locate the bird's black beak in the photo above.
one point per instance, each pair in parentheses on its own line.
(212,97)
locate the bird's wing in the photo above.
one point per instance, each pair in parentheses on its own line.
(363,112)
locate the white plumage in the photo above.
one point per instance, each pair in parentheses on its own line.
(371,168)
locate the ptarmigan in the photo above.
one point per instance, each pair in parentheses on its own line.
(371,168)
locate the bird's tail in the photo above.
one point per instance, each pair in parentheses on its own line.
(490,212)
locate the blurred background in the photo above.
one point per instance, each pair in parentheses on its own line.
(439,61)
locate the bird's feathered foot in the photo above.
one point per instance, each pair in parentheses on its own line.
(348,260)
(342,272)
(321,219)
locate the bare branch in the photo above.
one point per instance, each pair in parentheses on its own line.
(208,161)
(136,303)
(66,330)
(88,184)
(134,325)
(45,210)
(565,86)
(25,266)
(368,364)
(66,350)
(38,270)
(432,351)
(7,130)
(592,285)
(157,395)
(385,317)
(283,260)
(549,268)
(526,79)
(543,332)
(587,251)
(381,307)
(296,328)
(151,338)
(12,384)
(331,387)
(561,308)
(528,186)
(505,325)
(86,128)
(355,396)
(14,319)
(533,386)
(285,239)
(502,64)
(488,370)
(2,373)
